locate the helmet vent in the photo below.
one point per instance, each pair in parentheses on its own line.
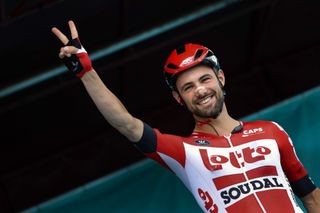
(180,50)
(172,66)
(198,54)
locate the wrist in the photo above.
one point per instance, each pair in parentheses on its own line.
(85,63)
(83,73)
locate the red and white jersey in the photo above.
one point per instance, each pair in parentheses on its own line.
(247,171)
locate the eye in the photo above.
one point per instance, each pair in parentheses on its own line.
(187,88)
(206,79)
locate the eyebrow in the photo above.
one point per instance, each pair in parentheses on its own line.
(204,76)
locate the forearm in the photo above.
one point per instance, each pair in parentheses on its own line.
(312,201)
(111,107)
(76,59)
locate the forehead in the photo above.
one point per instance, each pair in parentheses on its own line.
(193,74)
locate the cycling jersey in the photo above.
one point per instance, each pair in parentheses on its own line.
(247,171)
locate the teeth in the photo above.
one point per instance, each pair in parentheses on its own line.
(206,100)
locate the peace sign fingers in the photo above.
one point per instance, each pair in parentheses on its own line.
(73,55)
(64,39)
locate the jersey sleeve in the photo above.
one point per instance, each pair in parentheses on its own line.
(291,165)
(161,147)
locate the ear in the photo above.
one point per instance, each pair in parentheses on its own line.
(176,96)
(221,78)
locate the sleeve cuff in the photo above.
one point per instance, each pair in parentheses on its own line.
(303,186)
(148,141)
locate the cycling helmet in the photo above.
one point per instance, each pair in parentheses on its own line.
(185,57)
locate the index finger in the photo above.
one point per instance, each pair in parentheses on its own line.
(60,35)
(73,29)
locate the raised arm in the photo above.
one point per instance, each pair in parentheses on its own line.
(111,107)
(77,60)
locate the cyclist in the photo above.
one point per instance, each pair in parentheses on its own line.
(228,165)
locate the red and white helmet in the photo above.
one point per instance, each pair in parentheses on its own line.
(185,57)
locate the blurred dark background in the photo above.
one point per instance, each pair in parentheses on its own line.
(53,139)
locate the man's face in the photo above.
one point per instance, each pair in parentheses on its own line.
(201,91)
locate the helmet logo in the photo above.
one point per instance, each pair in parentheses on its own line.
(214,59)
(187,61)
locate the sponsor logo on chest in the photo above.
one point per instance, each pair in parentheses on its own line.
(238,159)
(237,191)
(202,142)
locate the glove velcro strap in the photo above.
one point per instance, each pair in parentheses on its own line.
(85,62)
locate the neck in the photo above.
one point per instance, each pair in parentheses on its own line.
(222,125)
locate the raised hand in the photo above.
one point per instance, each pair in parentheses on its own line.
(73,55)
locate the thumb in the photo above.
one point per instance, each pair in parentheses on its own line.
(68,51)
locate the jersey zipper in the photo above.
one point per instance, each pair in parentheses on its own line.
(244,173)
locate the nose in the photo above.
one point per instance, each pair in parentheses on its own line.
(200,91)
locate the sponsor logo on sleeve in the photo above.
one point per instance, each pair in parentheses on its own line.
(249,132)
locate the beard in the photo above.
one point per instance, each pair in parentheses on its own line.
(214,111)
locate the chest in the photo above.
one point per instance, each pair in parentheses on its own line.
(222,157)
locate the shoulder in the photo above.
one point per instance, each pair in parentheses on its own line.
(261,124)
(164,135)
(166,140)
(152,139)
(271,128)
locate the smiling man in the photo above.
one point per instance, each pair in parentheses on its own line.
(228,165)
(204,102)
